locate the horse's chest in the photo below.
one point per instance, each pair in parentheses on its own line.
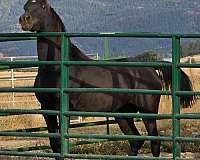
(50,81)
(47,80)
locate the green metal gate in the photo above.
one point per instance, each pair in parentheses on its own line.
(64,112)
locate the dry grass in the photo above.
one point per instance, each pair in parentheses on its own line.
(22,101)
(121,147)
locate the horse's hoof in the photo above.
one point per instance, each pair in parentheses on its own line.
(132,153)
(59,158)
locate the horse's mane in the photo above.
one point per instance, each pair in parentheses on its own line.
(57,17)
(78,53)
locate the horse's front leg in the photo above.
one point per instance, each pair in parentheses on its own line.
(52,126)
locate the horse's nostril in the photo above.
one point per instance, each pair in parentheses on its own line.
(27,18)
(20,19)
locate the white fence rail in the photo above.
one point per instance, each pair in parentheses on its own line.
(12,77)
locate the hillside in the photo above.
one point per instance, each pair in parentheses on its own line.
(166,16)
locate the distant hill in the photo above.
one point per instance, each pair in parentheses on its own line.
(166,16)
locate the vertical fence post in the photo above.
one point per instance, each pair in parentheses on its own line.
(97,56)
(108,126)
(106,48)
(64,98)
(175,99)
(12,82)
(106,56)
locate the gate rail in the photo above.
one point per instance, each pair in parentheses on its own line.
(64,89)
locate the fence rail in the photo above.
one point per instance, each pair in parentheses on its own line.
(176,116)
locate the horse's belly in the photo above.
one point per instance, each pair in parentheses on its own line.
(90,102)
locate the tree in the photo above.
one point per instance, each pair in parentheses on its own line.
(190,49)
(149,56)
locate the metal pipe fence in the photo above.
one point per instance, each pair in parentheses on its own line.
(64,112)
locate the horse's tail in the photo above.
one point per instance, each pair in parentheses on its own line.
(185,85)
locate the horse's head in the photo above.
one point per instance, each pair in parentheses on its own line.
(35,16)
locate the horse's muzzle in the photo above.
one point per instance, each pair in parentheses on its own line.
(26,22)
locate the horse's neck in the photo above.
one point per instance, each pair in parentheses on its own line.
(49,48)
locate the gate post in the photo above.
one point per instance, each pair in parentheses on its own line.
(64,98)
(175,98)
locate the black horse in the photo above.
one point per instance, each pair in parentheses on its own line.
(40,17)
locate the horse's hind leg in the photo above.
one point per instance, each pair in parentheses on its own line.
(128,127)
(150,104)
(135,145)
(152,131)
